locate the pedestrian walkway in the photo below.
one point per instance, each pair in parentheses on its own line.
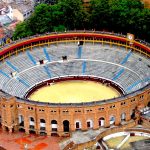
(20,141)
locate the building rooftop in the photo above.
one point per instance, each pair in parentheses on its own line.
(4,19)
(23,7)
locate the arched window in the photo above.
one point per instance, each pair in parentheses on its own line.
(132,114)
(42,125)
(101,121)
(123,116)
(89,123)
(31,119)
(78,124)
(42,120)
(54,125)
(53,122)
(31,122)
(112,120)
(21,120)
(66,125)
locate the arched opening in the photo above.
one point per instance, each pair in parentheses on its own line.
(66,125)
(148,104)
(31,123)
(89,124)
(32,132)
(43,133)
(42,120)
(42,125)
(21,121)
(21,129)
(53,122)
(13,130)
(78,125)
(101,122)
(133,114)
(9,129)
(123,116)
(32,119)
(54,125)
(112,120)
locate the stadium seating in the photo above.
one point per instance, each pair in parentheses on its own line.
(119,65)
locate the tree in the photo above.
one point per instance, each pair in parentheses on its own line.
(122,13)
(40,21)
(46,18)
(22,30)
(143,25)
(100,14)
(59,28)
(57,16)
(74,13)
(112,15)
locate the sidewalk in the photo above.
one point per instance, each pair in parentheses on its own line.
(18,141)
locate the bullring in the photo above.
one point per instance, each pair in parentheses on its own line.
(107,57)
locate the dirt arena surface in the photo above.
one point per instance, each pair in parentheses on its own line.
(74,91)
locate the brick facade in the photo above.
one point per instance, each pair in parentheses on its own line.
(61,119)
(11,109)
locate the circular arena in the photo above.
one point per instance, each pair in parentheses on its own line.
(53,84)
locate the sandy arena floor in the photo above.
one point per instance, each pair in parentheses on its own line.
(74,92)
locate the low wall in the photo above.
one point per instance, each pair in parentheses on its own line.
(138,130)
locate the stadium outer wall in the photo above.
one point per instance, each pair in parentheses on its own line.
(61,119)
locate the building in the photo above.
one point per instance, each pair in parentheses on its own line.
(15,10)
(6,16)
(19,113)
(21,11)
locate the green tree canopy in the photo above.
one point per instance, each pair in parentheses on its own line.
(143,25)
(40,21)
(112,15)
(123,12)
(22,30)
(74,13)
(100,14)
